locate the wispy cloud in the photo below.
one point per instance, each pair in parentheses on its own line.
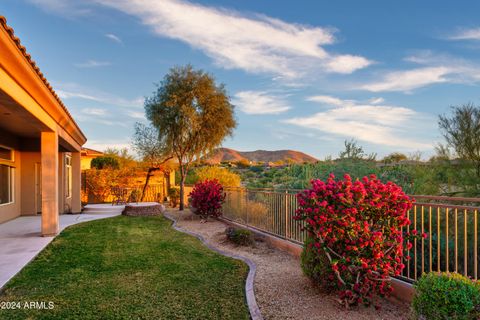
(105,144)
(466,34)
(254,43)
(74,91)
(409,79)
(67,8)
(136,115)
(94,111)
(378,124)
(329,100)
(378,100)
(92,64)
(430,68)
(260,102)
(114,38)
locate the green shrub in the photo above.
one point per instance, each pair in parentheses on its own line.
(174,196)
(135,195)
(105,162)
(239,236)
(446,296)
(316,266)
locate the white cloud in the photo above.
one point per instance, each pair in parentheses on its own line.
(136,115)
(329,100)
(409,79)
(74,91)
(254,43)
(68,8)
(92,64)
(260,102)
(431,68)
(105,144)
(347,63)
(94,111)
(466,34)
(382,125)
(378,100)
(114,38)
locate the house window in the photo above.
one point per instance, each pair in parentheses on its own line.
(68,176)
(6,184)
(6,153)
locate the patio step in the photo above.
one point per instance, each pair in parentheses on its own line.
(102,208)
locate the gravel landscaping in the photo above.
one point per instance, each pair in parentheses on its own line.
(281,290)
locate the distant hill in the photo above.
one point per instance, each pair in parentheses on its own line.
(226,154)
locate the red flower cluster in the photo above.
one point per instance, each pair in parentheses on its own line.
(207,198)
(357,225)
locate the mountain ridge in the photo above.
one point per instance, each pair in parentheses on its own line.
(231,155)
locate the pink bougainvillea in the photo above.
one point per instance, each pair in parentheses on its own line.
(358,226)
(207,198)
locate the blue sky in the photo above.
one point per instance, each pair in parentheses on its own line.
(304,75)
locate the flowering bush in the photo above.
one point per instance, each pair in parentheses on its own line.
(357,227)
(207,198)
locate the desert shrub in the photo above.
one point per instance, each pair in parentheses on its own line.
(224,176)
(207,198)
(241,237)
(174,196)
(446,296)
(135,195)
(316,266)
(258,214)
(357,226)
(105,162)
(243,163)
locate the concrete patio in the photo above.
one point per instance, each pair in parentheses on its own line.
(21,237)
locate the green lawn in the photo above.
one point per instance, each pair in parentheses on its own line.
(129,268)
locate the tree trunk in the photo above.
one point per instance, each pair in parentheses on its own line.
(182,189)
(147,180)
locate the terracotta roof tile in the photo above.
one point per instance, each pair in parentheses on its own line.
(10,31)
(88,151)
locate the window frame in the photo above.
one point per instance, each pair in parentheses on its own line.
(68,177)
(11,184)
(12,152)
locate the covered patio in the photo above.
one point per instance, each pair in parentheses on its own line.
(40,143)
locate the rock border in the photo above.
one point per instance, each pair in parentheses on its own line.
(255,313)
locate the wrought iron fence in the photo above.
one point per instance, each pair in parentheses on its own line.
(450,222)
(153,193)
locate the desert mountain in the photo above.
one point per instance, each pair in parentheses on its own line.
(225,154)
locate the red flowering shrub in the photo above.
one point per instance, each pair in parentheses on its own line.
(207,198)
(357,226)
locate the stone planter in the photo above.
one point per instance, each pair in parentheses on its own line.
(138,210)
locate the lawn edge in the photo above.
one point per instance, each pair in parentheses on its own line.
(253,308)
(51,239)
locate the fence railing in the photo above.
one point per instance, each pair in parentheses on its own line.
(450,222)
(153,193)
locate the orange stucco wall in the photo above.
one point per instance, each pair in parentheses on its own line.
(13,210)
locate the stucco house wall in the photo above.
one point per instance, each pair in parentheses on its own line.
(37,126)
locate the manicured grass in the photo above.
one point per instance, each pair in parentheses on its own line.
(129,268)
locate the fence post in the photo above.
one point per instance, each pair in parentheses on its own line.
(246,206)
(287,218)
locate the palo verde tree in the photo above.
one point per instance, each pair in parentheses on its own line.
(192,115)
(152,151)
(354,151)
(462,132)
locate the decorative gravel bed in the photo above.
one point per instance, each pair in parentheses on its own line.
(281,289)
